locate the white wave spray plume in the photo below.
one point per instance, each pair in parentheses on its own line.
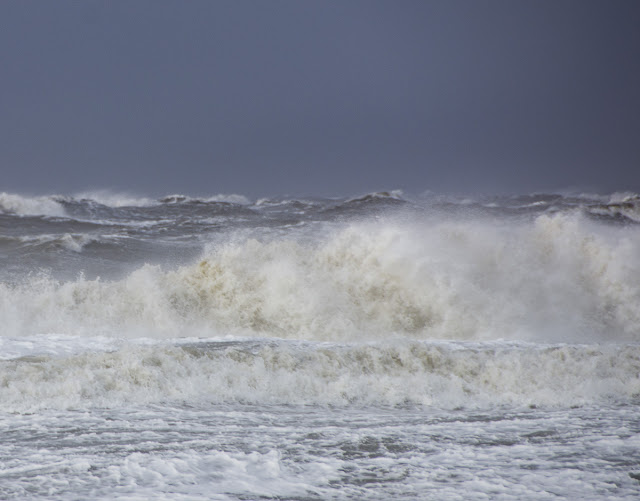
(556,278)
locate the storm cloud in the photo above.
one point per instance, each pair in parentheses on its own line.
(326,98)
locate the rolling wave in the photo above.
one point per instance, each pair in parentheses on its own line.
(555,278)
(442,375)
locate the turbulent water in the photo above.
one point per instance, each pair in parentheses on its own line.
(376,347)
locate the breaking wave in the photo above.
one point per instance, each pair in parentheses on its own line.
(556,278)
(30,206)
(444,375)
(57,205)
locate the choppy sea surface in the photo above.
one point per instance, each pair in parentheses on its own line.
(375,347)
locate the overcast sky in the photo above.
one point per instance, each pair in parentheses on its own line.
(319,97)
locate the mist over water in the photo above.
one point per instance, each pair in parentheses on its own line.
(114,306)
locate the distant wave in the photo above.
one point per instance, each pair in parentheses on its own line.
(621,207)
(371,201)
(378,195)
(67,241)
(622,204)
(230,199)
(31,206)
(57,205)
(113,199)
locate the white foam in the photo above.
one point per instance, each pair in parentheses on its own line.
(216,475)
(226,198)
(74,242)
(31,206)
(558,278)
(115,199)
(396,194)
(54,345)
(623,196)
(437,375)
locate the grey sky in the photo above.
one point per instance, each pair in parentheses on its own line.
(325,97)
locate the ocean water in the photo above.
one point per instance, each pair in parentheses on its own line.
(374,347)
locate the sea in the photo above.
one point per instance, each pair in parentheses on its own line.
(374,347)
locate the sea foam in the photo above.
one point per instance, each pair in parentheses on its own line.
(31,206)
(556,278)
(443,375)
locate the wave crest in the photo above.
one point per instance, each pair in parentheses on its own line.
(441,375)
(557,278)
(31,206)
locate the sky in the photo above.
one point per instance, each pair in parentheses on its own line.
(326,98)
